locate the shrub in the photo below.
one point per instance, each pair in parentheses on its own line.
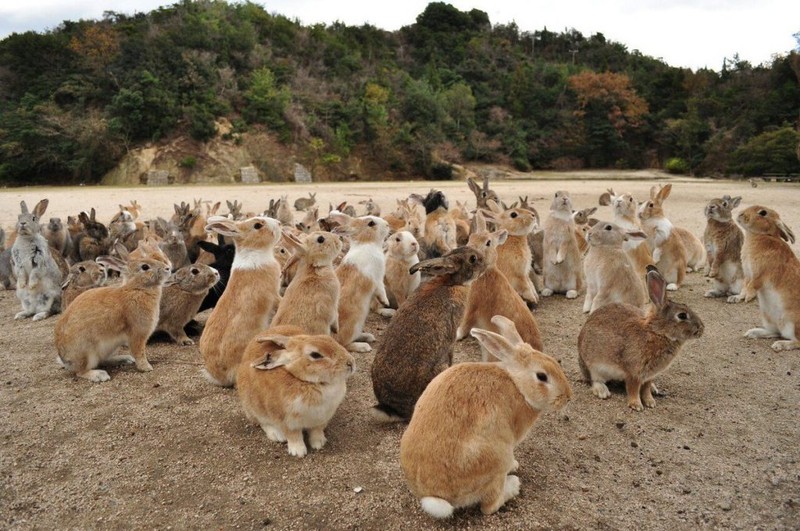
(188,162)
(677,165)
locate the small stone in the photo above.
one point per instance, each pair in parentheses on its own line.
(581,437)
(726,505)
(358,490)
(659,472)
(266,521)
(156,385)
(620,425)
(687,490)
(597,458)
(634,444)
(686,447)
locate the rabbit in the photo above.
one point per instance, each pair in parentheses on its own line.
(458,449)
(482,195)
(310,222)
(624,342)
(418,342)
(625,217)
(234,210)
(305,203)
(401,254)
(581,220)
(439,234)
(561,263)
(181,298)
(83,276)
(174,246)
(397,218)
(491,293)
(134,208)
(38,275)
(514,257)
(285,215)
(224,254)
(121,225)
(7,278)
(610,274)
(289,382)
(311,301)
(58,237)
(723,240)
(103,319)
(360,275)
(372,208)
(772,273)
(93,240)
(250,298)
(695,250)
(669,252)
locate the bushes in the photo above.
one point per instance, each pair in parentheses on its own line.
(770,152)
(677,165)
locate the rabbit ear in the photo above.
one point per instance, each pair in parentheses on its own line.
(785,232)
(341,218)
(111,262)
(635,235)
(507,329)
(121,250)
(271,360)
(40,207)
(734,202)
(656,287)
(494,206)
(473,186)
(497,345)
(500,236)
(480,222)
(23,207)
(222,225)
(435,266)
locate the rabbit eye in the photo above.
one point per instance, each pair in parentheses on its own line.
(608,227)
(195,271)
(371,224)
(145,267)
(258,226)
(513,215)
(397,239)
(82,269)
(762,213)
(650,204)
(542,377)
(489,243)
(321,239)
(472,259)
(315,355)
(683,316)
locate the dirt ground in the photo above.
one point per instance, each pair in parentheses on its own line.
(167,449)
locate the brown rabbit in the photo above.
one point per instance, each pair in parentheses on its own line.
(103,319)
(289,382)
(250,298)
(624,342)
(562,257)
(83,276)
(625,216)
(181,299)
(581,220)
(418,343)
(723,240)
(458,449)
(669,252)
(311,301)
(482,195)
(772,273)
(491,294)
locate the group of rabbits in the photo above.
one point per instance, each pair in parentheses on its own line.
(439,274)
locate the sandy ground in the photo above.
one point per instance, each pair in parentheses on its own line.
(166,448)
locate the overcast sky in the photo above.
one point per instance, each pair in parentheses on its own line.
(687,33)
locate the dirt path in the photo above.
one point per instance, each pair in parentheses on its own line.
(167,449)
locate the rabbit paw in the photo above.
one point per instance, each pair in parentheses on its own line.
(733,299)
(511,488)
(316,438)
(760,333)
(297,448)
(41,315)
(785,345)
(636,405)
(600,390)
(514,466)
(187,342)
(546,292)
(672,287)
(143,366)
(96,376)
(387,312)
(22,315)
(359,347)
(713,293)
(572,294)
(366,337)
(649,401)
(273,433)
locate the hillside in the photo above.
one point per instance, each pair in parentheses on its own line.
(201,88)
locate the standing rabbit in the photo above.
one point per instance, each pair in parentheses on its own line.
(289,383)
(723,240)
(482,195)
(401,255)
(562,258)
(37,273)
(223,253)
(458,449)
(772,273)
(181,299)
(101,320)
(311,301)
(627,343)
(439,235)
(625,216)
(284,213)
(418,343)
(669,252)
(610,274)
(250,298)
(360,276)
(93,239)
(58,237)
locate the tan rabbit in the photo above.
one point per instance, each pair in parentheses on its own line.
(311,301)
(482,195)
(181,299)
(250,298)
(310,222)
(285,215)
(58,237)
(371,207)
(289,383)
(418,343)
(458,449)
(624,342)
(723,240)
(669,252)
(82,277)
(401,255)
(561,263)
(581,220)
(625,216)
(491,294)
(772,273)
(514,257)
(610,274)
(305,203)
(101,320)
(360,276)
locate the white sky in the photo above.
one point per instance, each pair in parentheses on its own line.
(686,33)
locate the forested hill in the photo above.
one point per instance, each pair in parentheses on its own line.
(451,88)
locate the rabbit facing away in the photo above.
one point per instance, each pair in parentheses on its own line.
(181,298)
(360,276)
(93,239)
(223,253)
(610,274)
(250,298)
(401,256)
(626,343)
(83,276)
(669,251)
(458,449)
(103,319)
(772,273)
(37,273)
(311,301)
(723,240)
(418,342)
(439,235)
(289,382)
(561,263)
(491,294)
